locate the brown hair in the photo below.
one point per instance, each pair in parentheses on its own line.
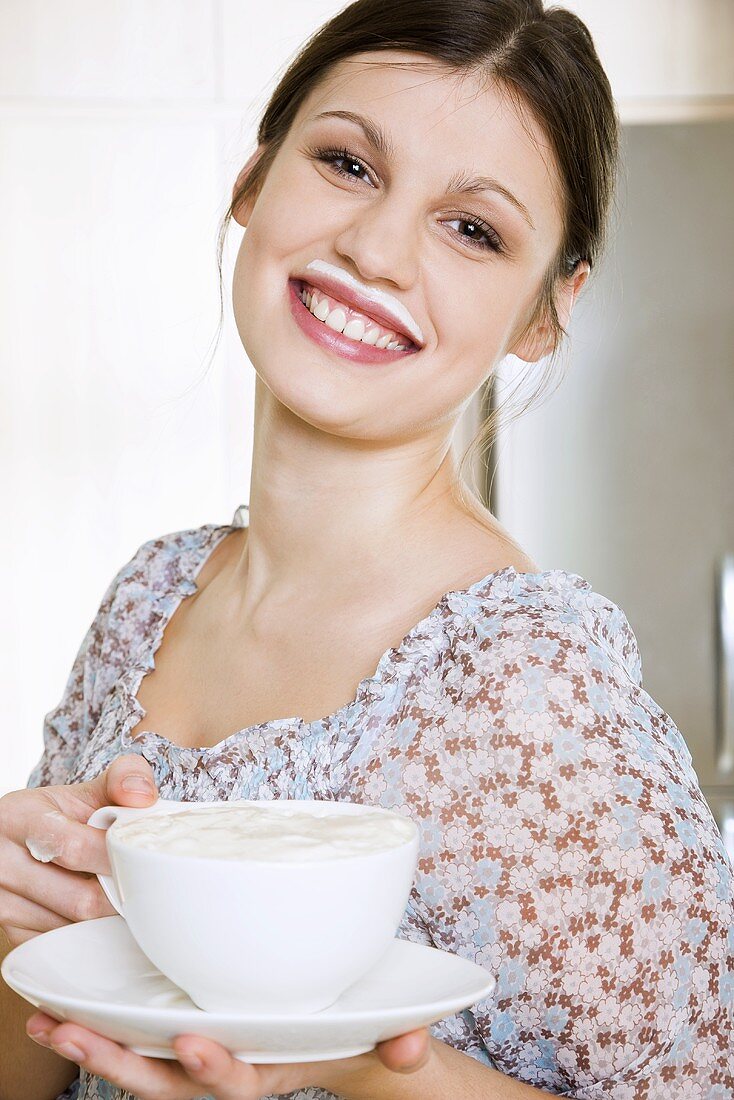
(544,59)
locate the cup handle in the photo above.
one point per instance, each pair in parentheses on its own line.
(106,816)
(102,819)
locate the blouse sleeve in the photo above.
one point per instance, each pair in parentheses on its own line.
(71,1092)
(576,859)
(69,724)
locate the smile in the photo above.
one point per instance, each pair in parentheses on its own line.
(341,329)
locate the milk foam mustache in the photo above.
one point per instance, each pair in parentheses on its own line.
(267,832)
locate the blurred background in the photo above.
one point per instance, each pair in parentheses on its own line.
(123,125)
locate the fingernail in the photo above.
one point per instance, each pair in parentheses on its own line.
(70,1050)
(190,1060)
(40,1036)
(137,783)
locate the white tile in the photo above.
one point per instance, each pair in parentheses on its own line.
(109,434)
(256,46)
(660,48)
(649,48)
(115,49)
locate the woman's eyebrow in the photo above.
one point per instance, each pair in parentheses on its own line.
(459,184)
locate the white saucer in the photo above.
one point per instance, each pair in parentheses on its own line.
(94,973)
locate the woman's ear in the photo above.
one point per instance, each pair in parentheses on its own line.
(242,212)
(539,341)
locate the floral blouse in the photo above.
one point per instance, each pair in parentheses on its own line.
(565,843)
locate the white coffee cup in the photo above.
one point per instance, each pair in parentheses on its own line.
(264,936)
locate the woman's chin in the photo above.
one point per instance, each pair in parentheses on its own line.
(315,395)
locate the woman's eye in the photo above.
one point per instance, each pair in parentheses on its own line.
(479,229)
(329,156)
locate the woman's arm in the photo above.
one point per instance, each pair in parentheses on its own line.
(27,1071)
(447,1074)
(67,727)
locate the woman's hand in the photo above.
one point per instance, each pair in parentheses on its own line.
(49,856)
(49,859)
(219,1074)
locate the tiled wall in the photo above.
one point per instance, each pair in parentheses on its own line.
(666,59)
(123,125)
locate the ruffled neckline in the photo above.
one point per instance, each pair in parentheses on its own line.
(419,650)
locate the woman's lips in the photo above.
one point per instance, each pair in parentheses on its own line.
(334,341)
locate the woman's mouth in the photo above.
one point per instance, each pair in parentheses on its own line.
(341,329)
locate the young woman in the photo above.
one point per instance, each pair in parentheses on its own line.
(432,178)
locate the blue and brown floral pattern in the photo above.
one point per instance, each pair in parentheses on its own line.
(565,842)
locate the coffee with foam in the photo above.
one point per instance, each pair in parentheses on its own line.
(267,832)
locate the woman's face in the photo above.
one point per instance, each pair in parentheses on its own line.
(395,226)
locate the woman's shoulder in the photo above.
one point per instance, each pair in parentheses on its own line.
(168,559)
(518,600)
(545,656)
(538,612)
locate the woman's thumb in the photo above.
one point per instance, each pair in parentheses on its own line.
(128,781)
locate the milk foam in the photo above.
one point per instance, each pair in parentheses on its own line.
(267,833)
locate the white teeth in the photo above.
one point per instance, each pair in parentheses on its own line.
(337,319)
(355,329)
(322,310)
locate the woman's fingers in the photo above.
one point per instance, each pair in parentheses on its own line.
(50,856)
(16,934)
(52,835)
(151,1077)
(18,913)
(202,1064)
(405,1053)
(211,1065)
(161,1078)
(44,820)
(68,893)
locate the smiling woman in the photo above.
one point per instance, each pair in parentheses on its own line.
(428,194)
